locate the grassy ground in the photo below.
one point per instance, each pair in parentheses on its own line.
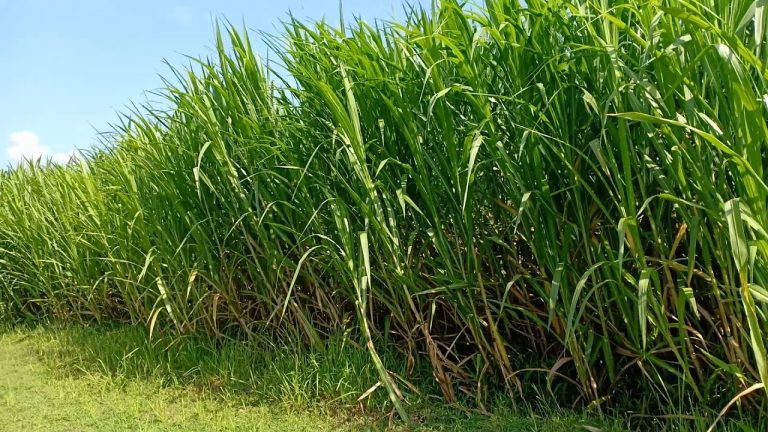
(35,398)
(80,380)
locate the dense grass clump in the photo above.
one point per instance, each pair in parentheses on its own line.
(569,194)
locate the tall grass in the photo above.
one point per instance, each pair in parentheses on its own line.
(567,193)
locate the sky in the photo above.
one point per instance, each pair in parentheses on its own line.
(68,66)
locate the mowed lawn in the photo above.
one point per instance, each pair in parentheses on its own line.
(34,398)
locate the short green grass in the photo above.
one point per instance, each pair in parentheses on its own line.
(86,379)
(35,398)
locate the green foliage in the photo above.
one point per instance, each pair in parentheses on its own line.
(562,193)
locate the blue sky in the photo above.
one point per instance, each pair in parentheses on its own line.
(67,66)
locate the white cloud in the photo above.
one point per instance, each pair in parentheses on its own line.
(64,158)
(25,145)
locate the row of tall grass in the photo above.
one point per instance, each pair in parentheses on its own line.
(566,193)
